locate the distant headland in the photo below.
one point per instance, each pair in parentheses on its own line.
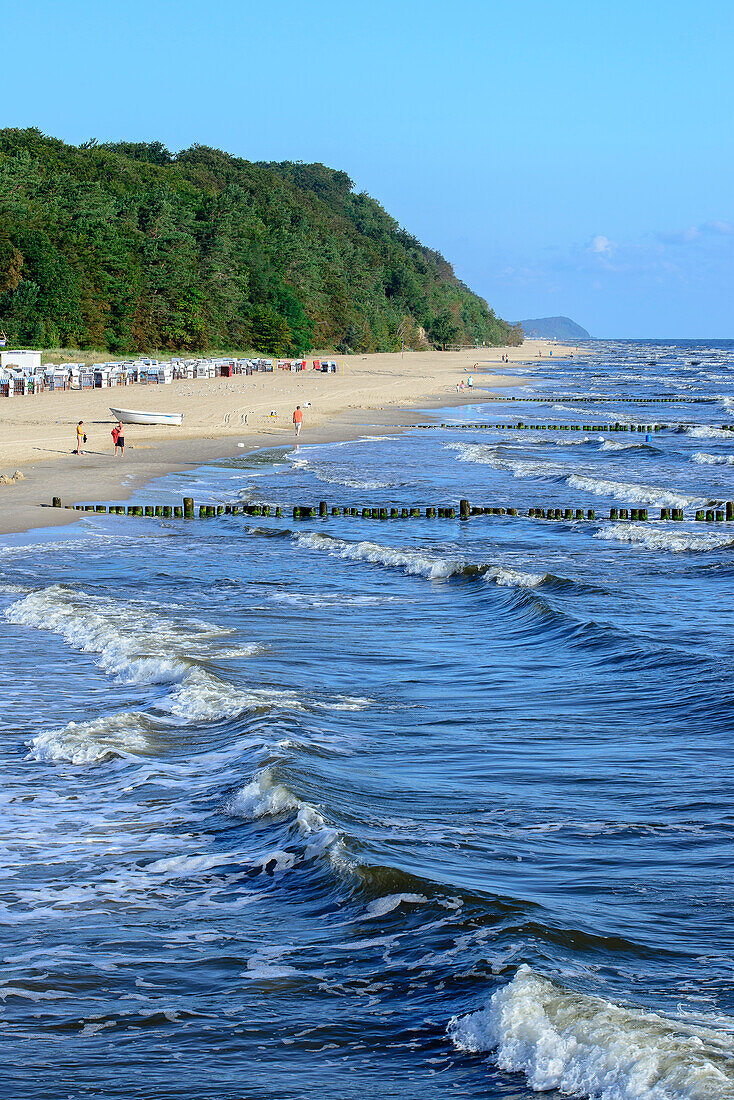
(554,328)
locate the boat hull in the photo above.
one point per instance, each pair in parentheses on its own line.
(136,416)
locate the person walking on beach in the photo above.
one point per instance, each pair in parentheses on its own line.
(80,437)
(297,420)
(118,438)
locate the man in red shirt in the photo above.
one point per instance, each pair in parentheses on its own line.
(298,420)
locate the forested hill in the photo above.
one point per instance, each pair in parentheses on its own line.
(126,247)
(554,328)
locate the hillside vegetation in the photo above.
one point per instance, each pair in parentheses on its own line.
(126,247)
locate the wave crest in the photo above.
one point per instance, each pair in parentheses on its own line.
(265,796)
(417,563)
(665,538)
(704,459)
(586,1046)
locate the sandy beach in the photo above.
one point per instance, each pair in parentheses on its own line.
(381,391)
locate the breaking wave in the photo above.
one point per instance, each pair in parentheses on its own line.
(265,796)
(705,459)
(93,741)
(632,491)
(612,445)
(417,563)
(131,643)
(135,646)
(586,1046)
(703,431)
(665,537)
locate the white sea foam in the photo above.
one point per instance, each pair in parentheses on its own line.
(703,431)
(262,797)
(586,1046)
(416,563)
(91,742)
(705,459)
(665,537)
(632,491)
(265,796)
(333,478)
(135,646)
(487,455)
(612,445)
(347,702)
(132,643)
(380,907)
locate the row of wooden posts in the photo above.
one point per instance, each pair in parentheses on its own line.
(546,399)
(522,426)
(723,511)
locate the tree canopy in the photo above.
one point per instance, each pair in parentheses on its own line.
(128,247)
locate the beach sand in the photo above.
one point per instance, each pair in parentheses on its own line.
(377,392)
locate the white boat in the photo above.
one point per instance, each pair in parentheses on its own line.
(134,416)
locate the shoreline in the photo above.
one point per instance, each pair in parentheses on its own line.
(378,394)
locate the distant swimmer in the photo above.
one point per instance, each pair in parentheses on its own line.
(80,437)
(297,420)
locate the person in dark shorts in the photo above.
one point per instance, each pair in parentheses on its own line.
(118,438)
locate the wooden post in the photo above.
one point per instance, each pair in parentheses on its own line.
(464,509)
(188,507)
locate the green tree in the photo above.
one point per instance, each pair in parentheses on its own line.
(443,330)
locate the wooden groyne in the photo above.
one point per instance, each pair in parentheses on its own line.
(716,512)
(618,426)
(553,399)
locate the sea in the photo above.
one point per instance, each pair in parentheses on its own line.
(348,808)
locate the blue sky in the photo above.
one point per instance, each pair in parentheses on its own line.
(567,157)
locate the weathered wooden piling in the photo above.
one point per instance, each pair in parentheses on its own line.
(56,502)
(464,509)
(188,507)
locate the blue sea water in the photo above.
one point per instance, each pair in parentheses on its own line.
(410,809)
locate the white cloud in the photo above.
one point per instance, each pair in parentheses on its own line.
(601,245)
(695,232)
(721,228)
